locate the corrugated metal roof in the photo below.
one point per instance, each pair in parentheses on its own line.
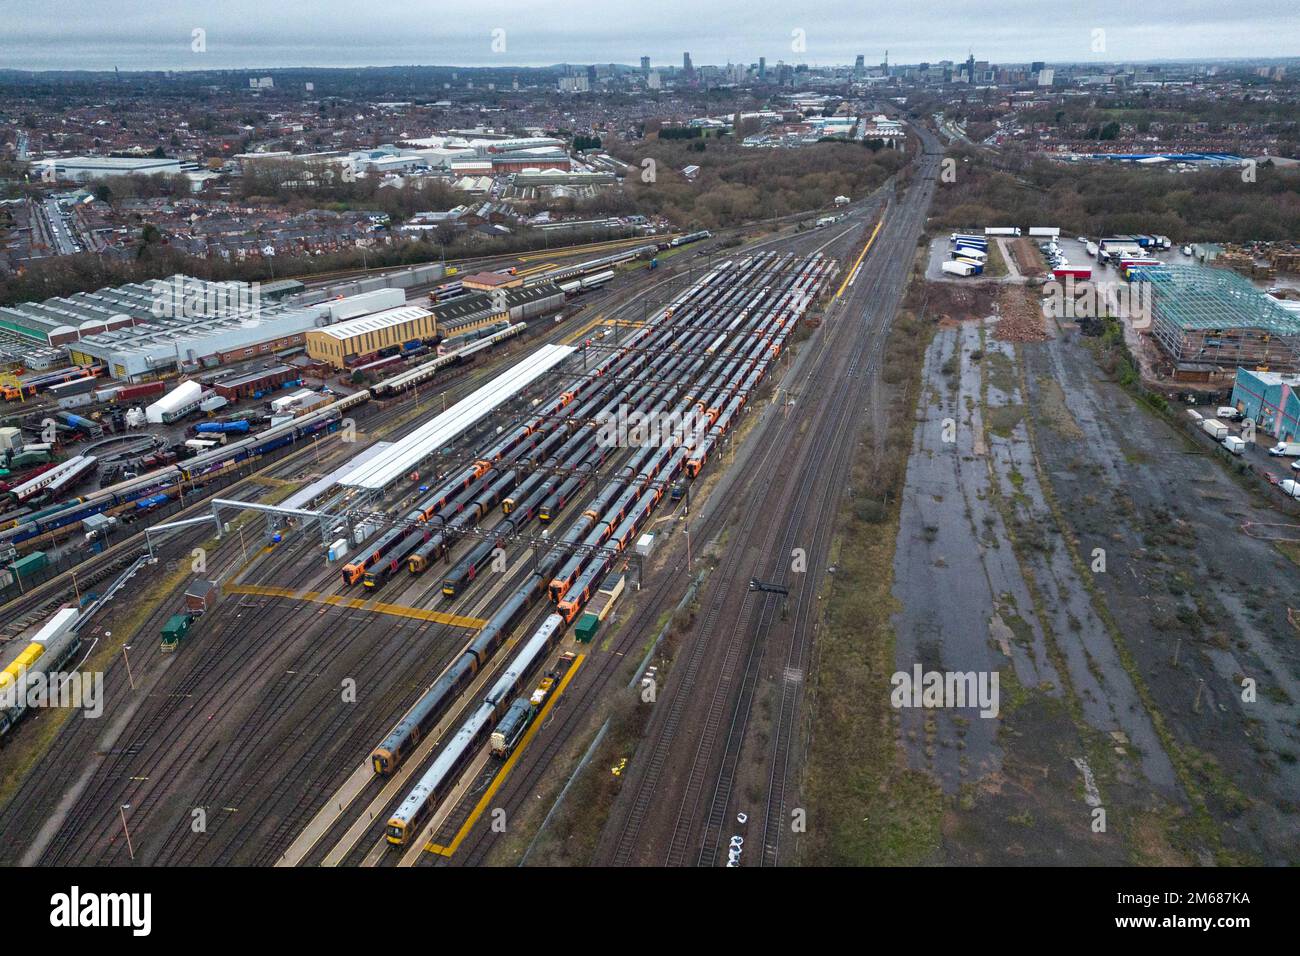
(343,331)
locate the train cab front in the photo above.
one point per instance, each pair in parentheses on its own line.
(383,762)
(396,832)
(352,573)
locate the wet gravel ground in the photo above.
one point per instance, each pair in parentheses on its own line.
(1064,536)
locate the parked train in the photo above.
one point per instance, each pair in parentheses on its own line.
(443,773)
(48,651)
(593,265)
(164,480)
(428,710)
(685,240)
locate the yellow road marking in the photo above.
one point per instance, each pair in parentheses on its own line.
(500,778)
(861,255)
(357,604)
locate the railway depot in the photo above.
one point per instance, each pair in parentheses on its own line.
(515,463)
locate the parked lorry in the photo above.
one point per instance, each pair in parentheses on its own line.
(959,268)
(1215,429)
(1052,231)
(1235,445)
(1288,449)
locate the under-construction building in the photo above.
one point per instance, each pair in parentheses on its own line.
(1210,321)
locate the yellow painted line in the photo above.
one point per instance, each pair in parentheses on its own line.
(593,247)
(585,329)
(500,778)
(861,255)
(535,269)
(357,604)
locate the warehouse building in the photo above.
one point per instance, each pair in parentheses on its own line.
(1209,322)
(347,343)
(87,168)
(143,331)
(487,281)
(1271,400)
(469,312)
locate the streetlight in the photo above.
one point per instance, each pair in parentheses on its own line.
(125,647)
(122,808)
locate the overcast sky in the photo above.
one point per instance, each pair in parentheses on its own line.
(157,34)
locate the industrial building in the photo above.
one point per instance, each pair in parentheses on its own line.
(144,330)
(343,344)
(88,168)
(1271,400)
(1209,322)
(469,312)
(487,281)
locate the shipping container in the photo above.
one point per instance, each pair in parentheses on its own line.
(957,268)
(30,564)
(586,628)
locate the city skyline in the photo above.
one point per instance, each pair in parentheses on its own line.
(244,35)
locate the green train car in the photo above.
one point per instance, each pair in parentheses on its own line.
(174,631)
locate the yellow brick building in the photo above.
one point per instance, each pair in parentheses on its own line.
(345,342)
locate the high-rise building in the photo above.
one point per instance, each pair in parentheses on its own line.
(645,65)
(652,81)
(686,65)
(762,68)
(1037,66)
(860,65)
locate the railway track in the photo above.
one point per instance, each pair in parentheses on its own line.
(826,458)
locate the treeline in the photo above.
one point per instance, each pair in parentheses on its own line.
(301,185)
(1211,205)
(737,185)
